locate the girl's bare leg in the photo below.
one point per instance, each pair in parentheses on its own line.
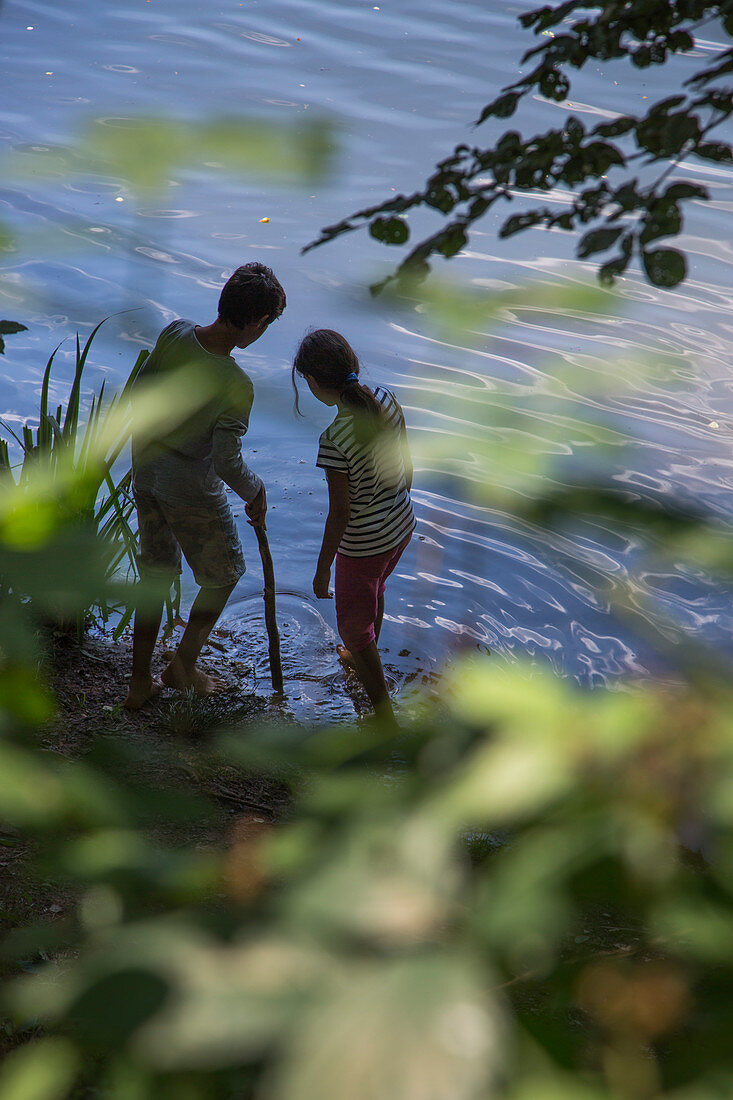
(369,669)
(182,672)
(345,655)
(380,616)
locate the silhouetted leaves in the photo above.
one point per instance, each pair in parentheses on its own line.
(503,107)
(598,240)
(389,230)
(465,185)
(617,128)
(111,1009)
(710,150)
(677,191)
(496,901)
(518,223)
(8,328)
(665,267)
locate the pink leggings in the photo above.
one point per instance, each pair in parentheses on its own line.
(358,584)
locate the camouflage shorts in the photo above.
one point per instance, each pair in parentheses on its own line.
(204,531)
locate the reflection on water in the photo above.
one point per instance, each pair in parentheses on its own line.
(307,646)
(537,395)
(317,688)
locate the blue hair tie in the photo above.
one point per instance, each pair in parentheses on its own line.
(351,378)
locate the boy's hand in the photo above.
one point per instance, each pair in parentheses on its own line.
(321,582)
(257,509)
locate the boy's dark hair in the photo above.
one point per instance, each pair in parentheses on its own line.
(253,291)
(328,357)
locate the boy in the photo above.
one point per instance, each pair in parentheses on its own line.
(179,476)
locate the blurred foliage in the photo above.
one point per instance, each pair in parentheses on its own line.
(584,174)
(7,241)
(66,501)
(76,460)
(145,154)
(524,895)
(544,444)
(498,903)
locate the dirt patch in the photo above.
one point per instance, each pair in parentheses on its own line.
(89,683)
(163,747)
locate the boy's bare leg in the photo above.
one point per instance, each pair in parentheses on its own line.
(182,672)
(144,635)
(369,669)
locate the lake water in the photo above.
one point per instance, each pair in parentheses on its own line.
(643,388)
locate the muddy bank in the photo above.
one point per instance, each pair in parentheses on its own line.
(157,747)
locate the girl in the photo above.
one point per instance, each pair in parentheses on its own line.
(370,519)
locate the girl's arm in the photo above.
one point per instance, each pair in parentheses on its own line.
(339,510)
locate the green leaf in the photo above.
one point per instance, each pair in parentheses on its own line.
(44,1070)
(665,267)
(554,85)
(7,241)
(664,135)
(451,241)
(664,106)
(616,128)
(642,57)
(615,267)
(680,40)
(601,156)
(110,1010)
(713,150)
(686,190)
(610,271)
(517,223)
(440,198)
(598,240)
(146,153)
(397,1028)
(390,230)
(7,328)
(574,130)
(627,196)
(662,220)
(503,107)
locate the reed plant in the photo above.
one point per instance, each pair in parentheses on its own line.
(88,448)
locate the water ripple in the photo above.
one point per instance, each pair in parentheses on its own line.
(534,399)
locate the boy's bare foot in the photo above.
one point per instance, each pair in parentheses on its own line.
(345,657)
(176,676)
(140,691)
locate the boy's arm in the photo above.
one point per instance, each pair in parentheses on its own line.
(229,431)
(339,510)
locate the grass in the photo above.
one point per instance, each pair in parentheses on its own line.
(63,440)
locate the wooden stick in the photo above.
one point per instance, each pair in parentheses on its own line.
(273,636)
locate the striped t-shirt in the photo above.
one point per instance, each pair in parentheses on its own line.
(380,510)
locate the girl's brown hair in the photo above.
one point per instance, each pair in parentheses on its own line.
(329,358)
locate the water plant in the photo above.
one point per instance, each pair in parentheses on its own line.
(97,497)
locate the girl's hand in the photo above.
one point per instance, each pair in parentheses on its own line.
(321,582)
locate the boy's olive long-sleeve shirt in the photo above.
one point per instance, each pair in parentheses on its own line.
(197,456)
